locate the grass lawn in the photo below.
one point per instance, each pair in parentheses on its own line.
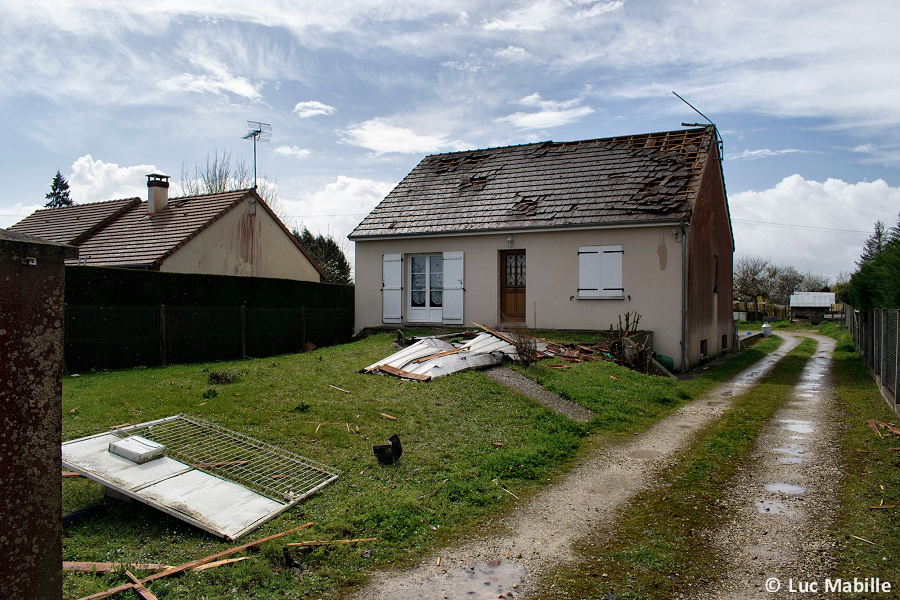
(447,483)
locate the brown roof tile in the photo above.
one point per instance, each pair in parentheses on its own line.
(72,224)
(636,178)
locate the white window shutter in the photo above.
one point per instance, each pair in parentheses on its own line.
(453,288)
(589,261)
(392,288)
(611,272)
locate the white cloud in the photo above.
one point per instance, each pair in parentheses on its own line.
(512,54)
(217,81)
(293,151)
(530,18)
(94,180)
(339,207)
(552,114)
(311,108)
(816,209)
(380,136)
(866,149)
(15,213)
(765,152)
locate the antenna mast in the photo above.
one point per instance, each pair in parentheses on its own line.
(259,132)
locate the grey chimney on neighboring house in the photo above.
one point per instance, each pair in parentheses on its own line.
(157,192)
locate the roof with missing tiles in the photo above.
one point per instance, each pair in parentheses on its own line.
(626,179)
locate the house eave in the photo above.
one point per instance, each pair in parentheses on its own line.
(511,230)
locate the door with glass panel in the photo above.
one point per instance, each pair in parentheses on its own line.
(426,288)
(512,286)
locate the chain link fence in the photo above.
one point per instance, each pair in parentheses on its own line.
(118,337)
(875,334)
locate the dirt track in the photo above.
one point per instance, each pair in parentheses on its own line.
(540,532)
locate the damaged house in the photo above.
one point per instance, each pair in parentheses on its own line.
(559,236)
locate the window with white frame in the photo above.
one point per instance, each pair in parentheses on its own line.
(433,291)
(600,272)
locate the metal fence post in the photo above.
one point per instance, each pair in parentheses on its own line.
(162,333)
(303,328)
(243,331)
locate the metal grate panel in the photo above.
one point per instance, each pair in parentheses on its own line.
(272,472)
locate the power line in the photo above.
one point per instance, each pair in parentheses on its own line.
(806,227)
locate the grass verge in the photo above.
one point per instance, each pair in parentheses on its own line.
(446,482)
(657,548)
(872,475)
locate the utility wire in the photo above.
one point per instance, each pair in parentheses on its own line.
(806,227)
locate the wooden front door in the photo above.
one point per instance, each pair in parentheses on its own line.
(512,286)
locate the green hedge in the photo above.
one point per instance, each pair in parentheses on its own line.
(101,286)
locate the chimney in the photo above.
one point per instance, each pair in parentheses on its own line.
(157,192)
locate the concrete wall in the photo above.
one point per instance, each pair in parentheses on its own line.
(651,278)
(241,244)
(31,321)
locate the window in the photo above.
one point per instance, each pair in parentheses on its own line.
(703,350)
(600,272)
(433,291)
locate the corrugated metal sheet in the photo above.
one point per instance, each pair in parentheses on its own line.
(446,358)
(812,300)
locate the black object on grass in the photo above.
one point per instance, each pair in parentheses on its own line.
(389,453)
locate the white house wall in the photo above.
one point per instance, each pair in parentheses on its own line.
(651,275)
(241,244)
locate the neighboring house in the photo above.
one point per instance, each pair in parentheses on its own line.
(229,233)
(811,305)
(566,235)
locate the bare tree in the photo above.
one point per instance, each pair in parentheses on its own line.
(787,280)
(222,174)
(751,277)
(813,282)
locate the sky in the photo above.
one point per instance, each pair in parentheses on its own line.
(805,93)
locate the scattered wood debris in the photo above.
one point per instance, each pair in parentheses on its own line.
(219,563)
(330,542)
(139,587)
(108,567)
(189,566)
(70,474)
(334,387)
(387,416)
(862,539)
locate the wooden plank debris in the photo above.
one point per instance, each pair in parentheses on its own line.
(219,563)
(192,564)
(401,373)
(334,387)
(139,587)
(109,567)
(862,539)
(495,334)
(70,474)
(387,416)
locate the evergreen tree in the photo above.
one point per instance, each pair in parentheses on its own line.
(874,245)
(327,253)
(59,192)
(894,233)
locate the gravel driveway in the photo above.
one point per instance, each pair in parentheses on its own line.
(539,533)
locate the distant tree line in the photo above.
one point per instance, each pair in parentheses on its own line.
(876,284)
(756,277)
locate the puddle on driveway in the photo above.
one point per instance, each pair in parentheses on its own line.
(770,507)
(785,488)
(797,426)
(479,582)
(791,451)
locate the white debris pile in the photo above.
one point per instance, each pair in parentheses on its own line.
(433,356)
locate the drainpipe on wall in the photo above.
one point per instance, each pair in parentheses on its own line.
(683,297)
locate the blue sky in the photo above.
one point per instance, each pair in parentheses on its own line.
(806,95)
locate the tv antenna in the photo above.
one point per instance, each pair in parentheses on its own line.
(261,132)
(719,139)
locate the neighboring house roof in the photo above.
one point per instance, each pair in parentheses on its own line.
(72,224)
(628,179)
(812,300)
(130,237)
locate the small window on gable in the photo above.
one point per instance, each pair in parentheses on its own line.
(600,272)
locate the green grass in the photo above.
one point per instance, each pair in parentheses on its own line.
(656,549)
(869,464)
(442,487)
(626,401)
